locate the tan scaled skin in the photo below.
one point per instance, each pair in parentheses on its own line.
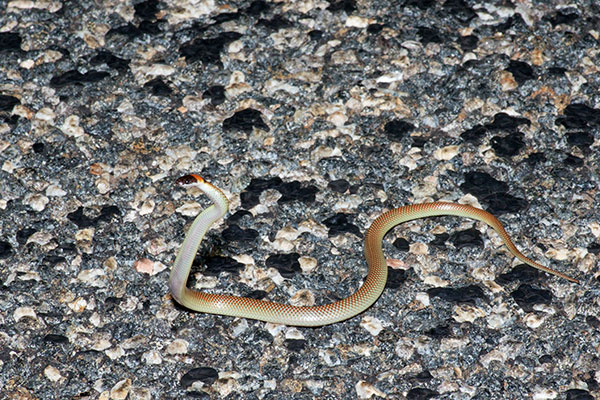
(346,308)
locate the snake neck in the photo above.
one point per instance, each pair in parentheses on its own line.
(189,248)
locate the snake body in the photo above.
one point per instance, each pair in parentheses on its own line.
(341,310)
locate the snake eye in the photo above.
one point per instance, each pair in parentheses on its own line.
(189,179)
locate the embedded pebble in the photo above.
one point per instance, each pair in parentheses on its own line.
(427,187)
(194,103)
(447,387)
(95,319)
(239,326)
(348,203)
(494,355)
(94,277)
(158,267)
(288,233)
(446,153)
(138,393)
(135,342)
(535,320)
(544,394)
(588,262)
(226,385)
(303,297)
(363,349)
(500,317)
(307,264)
(235,89)
(373,325)
(24,312)
(283,245)
(84,235)
(507,81)
(365,390)
(405,348)
(178,346)
(36,201)
(419,248)
(45,114)
(467,313)
(120,390)
(71,127)
(435,281)
(294,333)
(338,118)
(52,374)
(147,207)
(595,229)
(190,209)
(423,298)
(8,166)
(114,352)
(152,357)
(274,85)
(274,329)
(310,226)
(156,246)
(78,305)
(103,185)
(487,276)
(98,169)
(329,357)
(397,264)
(27,64)
(355,21)
(206,282)
(55,191)
(558,254)
(30,276)
(40,238)
(344,57)
(451,345)
(322,152)
(100,344)
(153,70)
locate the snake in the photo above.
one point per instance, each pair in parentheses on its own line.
(285,314)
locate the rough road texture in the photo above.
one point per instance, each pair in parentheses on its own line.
(314,116)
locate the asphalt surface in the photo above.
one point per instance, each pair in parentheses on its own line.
(314,117)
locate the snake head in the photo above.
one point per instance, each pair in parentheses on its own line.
(189,179)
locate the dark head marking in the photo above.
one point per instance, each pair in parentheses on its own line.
(189,179)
